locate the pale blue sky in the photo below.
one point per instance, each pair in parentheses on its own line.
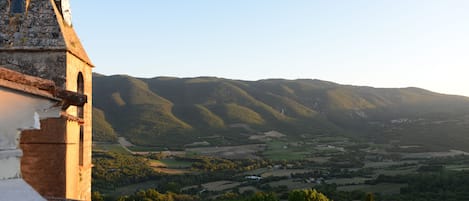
(381,43)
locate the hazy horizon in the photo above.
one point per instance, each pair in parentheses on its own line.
(340,83)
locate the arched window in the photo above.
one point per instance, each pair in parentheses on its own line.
(17,6)
(80,151)
(81,90)
(80,114)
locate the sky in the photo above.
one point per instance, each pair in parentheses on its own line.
(379,43)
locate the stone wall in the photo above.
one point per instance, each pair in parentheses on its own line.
(45,64)
(34,29)
(32,42)
(75,66)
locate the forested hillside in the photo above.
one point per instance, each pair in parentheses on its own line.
(173,112)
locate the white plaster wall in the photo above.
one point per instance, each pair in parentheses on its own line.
(19,111)
(18,190)
(10,165)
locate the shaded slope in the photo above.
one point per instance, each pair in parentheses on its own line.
(102,130)
(134,110)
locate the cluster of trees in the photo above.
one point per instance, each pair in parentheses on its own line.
(154,195)
(213,164)
(350,159)
(203,163)
(148,195)
(307,195)
(334,194)
(206,163)
(295,195)
(432,182)
(430,186)
(113,169)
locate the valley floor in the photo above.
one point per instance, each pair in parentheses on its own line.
(280,165)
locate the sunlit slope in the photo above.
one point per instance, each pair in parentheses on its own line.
(209,92)
(181,111)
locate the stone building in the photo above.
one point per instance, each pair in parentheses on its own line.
(37,39)
(25,101)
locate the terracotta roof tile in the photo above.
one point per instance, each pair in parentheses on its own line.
(39,87)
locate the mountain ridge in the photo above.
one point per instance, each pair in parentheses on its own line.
(169,111)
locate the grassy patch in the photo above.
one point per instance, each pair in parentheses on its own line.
(278,150)
(110,147)
(130,189)
(347,181)
(397,171)
(461,167)
(220,185)
(292,184)
(178,164)
(146,149)
(283,173)
(383,188)
(170,167)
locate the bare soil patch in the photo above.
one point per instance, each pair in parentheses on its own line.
(231,152)
(267,136)
(160,167)
(220,185)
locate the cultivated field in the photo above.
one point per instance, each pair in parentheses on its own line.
(231,152)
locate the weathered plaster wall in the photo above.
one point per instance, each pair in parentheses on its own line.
(19,111)
(18,189)
(10,168)
(25,114)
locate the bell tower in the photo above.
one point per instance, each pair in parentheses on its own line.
(37,39)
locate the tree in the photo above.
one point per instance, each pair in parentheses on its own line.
(261,196)
(307,195)
(96,196)
(370,197)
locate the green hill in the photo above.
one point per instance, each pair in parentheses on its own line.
(134,110)
(173,112)
(102,130)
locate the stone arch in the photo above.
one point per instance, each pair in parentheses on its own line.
(80,90)
(81,114)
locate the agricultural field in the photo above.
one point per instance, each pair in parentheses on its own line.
(170,166)
(129,189)
(278,150)
(220,185)
(230,152)
(283,165)
(110,147)
(378,188)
